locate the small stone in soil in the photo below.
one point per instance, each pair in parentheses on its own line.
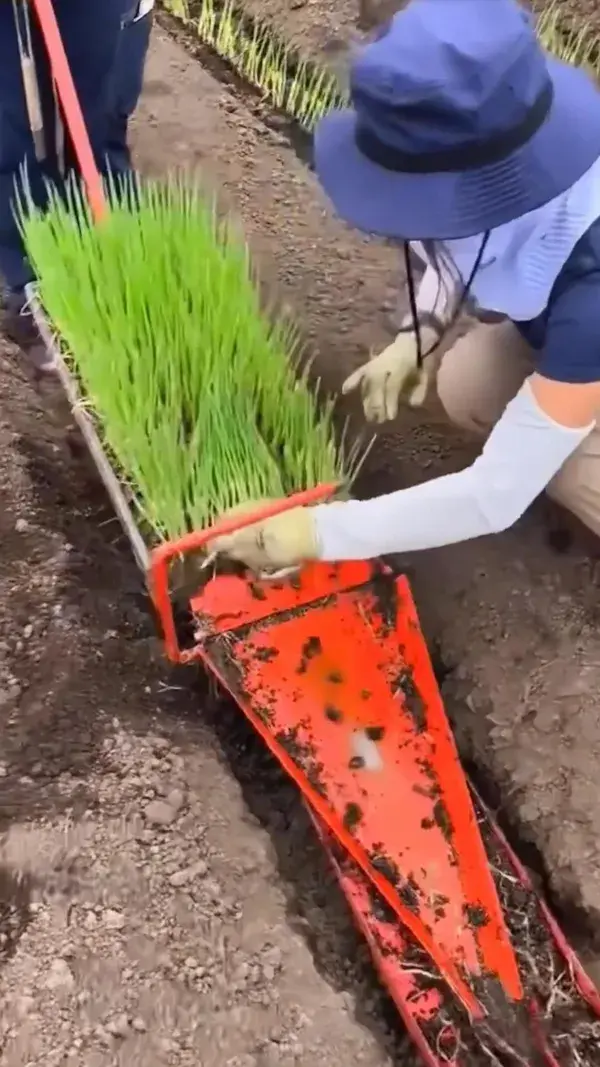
(160,813)
(175,799)
(60,976)
(114,920)
(119,1026)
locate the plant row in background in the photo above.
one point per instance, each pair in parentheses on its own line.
(193,388)
(300,87)
(292,84)
(578,46)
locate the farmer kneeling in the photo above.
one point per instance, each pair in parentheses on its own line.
(464,136)
(106,45)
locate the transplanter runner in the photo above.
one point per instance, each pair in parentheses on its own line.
(465,137)
(106,45)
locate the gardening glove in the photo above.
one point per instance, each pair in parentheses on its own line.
(272,544)
(392,375)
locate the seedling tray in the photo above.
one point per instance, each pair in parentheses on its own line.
(119,498)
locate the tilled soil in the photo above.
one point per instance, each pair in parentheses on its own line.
(325,28)
(145,915)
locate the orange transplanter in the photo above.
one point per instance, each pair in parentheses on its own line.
(331,668)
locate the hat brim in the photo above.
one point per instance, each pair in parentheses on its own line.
(450,206)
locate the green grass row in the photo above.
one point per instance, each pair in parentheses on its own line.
(300,87)
(296,86)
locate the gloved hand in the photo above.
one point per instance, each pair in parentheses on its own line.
(393,374)
(282,541)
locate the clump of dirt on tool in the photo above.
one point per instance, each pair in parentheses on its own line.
(412,699)
(407,888)
(333,714)
(386,603)
(305,757)
(375,733)
(311,648)
(352,816)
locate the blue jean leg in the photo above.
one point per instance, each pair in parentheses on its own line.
(128,83)
(16,150)
(92,36)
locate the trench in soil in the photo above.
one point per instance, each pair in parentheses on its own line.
(297,138)
(261,779)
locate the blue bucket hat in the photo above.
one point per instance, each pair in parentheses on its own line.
(460,122)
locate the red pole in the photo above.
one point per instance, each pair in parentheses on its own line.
(73,116)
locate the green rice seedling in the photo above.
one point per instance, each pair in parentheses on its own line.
(194,390)
(580,47)
(178,8)
(300,88)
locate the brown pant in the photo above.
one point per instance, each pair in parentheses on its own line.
(477,378)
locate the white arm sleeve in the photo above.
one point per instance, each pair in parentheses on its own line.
(522,454)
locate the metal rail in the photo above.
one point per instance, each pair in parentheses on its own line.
(88,430)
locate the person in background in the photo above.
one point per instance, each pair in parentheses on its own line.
(128,82)
(106,44)
(466,140)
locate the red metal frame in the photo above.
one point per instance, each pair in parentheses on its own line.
(443,877)
(165,554)
(420,774)
(67,95)
(318,663)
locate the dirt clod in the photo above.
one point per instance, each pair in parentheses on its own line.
(160,813)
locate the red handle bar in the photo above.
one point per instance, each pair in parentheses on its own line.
(161,557)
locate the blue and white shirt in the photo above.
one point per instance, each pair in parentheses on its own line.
(541,271)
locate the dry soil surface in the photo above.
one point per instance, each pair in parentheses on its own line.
(326,28)
(152,908)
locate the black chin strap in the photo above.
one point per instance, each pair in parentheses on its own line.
(412,299)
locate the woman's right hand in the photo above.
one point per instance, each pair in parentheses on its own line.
(391,376)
